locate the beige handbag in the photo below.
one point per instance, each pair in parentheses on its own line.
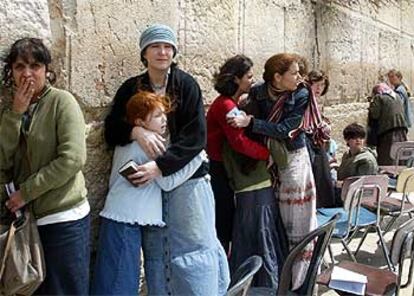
(22,267)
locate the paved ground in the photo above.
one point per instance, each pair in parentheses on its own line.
(370,254)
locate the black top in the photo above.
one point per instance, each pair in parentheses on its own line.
(186,123)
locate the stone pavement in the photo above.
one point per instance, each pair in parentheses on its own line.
(370,254)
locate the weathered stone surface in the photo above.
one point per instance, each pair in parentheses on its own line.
(23,18)
(95,48)
(342,115)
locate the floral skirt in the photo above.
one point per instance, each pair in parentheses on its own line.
(297,202)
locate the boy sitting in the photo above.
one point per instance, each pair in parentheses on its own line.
(358,160)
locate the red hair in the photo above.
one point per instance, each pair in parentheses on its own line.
(143,103)
(279,63)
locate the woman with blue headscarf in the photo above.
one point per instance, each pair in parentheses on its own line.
(185,257)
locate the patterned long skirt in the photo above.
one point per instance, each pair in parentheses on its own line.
(297,200)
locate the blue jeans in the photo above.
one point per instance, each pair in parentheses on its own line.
(185,257)
(117,266)
(67,250)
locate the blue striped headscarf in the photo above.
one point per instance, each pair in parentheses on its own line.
(158,33)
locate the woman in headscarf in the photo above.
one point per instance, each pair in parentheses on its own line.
(185,257)
(386,111)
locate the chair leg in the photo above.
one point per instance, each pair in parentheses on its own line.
(364,236)
(348,250)
(331,254)
(354,232)
(384,249)
(390,224)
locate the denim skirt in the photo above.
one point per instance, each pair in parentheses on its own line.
(185,257)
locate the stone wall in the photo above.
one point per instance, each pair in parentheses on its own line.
(95,48)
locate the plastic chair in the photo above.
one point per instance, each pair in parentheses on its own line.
(393,207)
(382,281)
(400,151)
(320,237)
(243,276)
(354,217)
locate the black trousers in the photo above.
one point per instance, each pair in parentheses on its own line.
(224,199)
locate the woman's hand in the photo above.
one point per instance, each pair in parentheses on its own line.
(23,96)
(145,174)
(241,120)
(15,201)
(151,142)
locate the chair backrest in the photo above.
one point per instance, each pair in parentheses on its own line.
(402,151)
(405,181)
(243,276)
(368,186)
(352,198)
(322,235)
(402,242)
(402,247)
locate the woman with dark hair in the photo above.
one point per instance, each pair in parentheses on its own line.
(276,111)
(318,83)
(184,258)
(239,163)
(43,150)
(232,81)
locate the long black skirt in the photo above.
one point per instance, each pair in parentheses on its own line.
(385,142)
(258,230)
(224,202)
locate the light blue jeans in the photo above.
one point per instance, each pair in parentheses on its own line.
(185,257)
(117,266)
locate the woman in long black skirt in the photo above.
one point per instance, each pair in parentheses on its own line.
(257,227)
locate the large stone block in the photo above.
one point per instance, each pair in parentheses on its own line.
(23,18)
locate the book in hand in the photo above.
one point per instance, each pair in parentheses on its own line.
(130,167)
(348,281)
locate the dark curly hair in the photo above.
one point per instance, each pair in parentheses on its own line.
(26,49)
(354,131)
(224,80)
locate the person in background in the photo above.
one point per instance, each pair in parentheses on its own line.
(322,170)
(43,151)
(239,163)
(276,109)
(234,79)
(386,117)
(358,160)
(184,258)
(395,78)
(130,210)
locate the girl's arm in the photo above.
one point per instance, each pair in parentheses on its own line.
(172,181)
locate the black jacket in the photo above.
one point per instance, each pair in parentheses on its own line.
(186,123)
